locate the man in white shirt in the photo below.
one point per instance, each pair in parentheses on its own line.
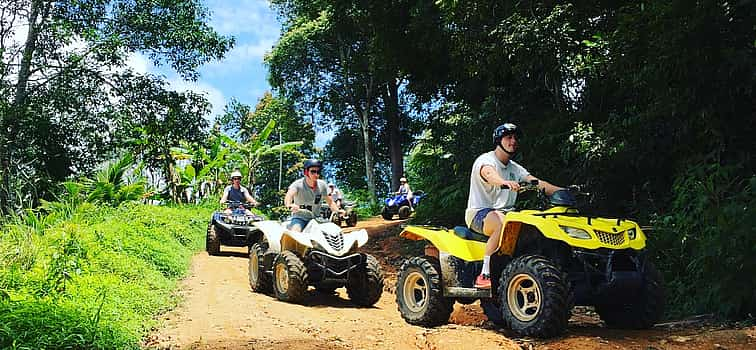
(490,199)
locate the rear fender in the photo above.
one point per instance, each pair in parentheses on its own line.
(446,241)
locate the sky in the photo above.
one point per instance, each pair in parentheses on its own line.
(241,74)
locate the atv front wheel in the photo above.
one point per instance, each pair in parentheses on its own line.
(644,310)
(336,219)
(404,212)
(534,297)
(419,294)
(212,242)
(289,277)
(259,281)
(351,221)
(387,214)
(365,284)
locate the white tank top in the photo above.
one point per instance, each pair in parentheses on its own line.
(484,195)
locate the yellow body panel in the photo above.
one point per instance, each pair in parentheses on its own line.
(446,241)
(605,233)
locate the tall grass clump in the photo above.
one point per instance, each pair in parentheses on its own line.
(90,276)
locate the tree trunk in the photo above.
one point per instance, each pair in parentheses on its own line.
(364,119)
(393,122)
(18,106)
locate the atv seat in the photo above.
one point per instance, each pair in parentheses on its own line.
(466,233)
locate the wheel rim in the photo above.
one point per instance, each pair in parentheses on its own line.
(282,278)
(254,267)
(524,297)
(415,291)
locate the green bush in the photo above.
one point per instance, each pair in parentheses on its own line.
(96,279)
(705,244)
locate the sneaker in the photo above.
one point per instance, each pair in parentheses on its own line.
(483,282)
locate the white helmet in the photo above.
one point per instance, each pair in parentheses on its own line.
(404,179)
(236,173)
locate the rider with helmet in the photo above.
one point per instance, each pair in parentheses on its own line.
(235,192)
(307,193)
(335,194)
(488,202)
(404,188)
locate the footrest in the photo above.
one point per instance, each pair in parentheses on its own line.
(461,292)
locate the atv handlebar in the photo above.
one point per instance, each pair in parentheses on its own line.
(524,186)
(237,204)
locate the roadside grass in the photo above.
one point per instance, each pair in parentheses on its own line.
(96,277)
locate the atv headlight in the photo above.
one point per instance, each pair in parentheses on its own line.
(631,233)
(576,232)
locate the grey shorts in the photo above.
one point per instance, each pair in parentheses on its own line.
(477,222)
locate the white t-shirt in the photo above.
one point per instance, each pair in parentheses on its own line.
(307,196)
(484,195)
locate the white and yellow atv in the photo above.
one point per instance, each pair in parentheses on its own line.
(321,256)
(547,261)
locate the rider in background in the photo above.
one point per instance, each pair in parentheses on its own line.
(335,194)
(307,192)
(235,192)
(488,201)
(404,188)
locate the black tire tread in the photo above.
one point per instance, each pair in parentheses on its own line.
(645,312)
(439,307)
(297,278)
(212,241)
(556,297)
(366,286)
(264,283)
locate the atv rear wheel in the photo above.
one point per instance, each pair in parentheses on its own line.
(404,212)
(351,220)
(387,214)
(534,297)
(289,277)
(365,284)
(212,242)
(641,312)
(259,281)
(419,294)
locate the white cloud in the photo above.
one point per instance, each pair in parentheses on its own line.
(138,63)
(214,95)
(243,16)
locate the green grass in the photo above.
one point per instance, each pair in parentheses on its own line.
(95,278)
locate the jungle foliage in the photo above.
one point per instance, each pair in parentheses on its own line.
(648,104)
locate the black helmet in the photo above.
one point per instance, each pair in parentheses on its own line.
(503,130)
(311,163)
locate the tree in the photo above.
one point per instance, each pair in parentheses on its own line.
(63,86)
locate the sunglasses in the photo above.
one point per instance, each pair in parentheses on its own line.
(235,178)
(314,171)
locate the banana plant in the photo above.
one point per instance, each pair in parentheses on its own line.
(250,153)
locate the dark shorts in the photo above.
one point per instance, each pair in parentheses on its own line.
(298,221)
(477,223)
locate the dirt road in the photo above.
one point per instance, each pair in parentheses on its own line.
(220,312)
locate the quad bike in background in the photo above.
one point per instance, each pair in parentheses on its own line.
(349,216)
(547,261)
(322,255)
(400,205)
(232,229)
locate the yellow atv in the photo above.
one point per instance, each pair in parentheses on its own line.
(547,261)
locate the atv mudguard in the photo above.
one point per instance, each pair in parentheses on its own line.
(547,222)
(279,238)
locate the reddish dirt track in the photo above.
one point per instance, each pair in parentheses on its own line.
(219,311)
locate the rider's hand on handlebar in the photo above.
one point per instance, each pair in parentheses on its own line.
(293,207)
(511,185)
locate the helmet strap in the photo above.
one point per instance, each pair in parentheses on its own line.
(505,150)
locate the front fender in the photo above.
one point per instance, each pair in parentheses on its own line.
(549,226)
(446,241)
